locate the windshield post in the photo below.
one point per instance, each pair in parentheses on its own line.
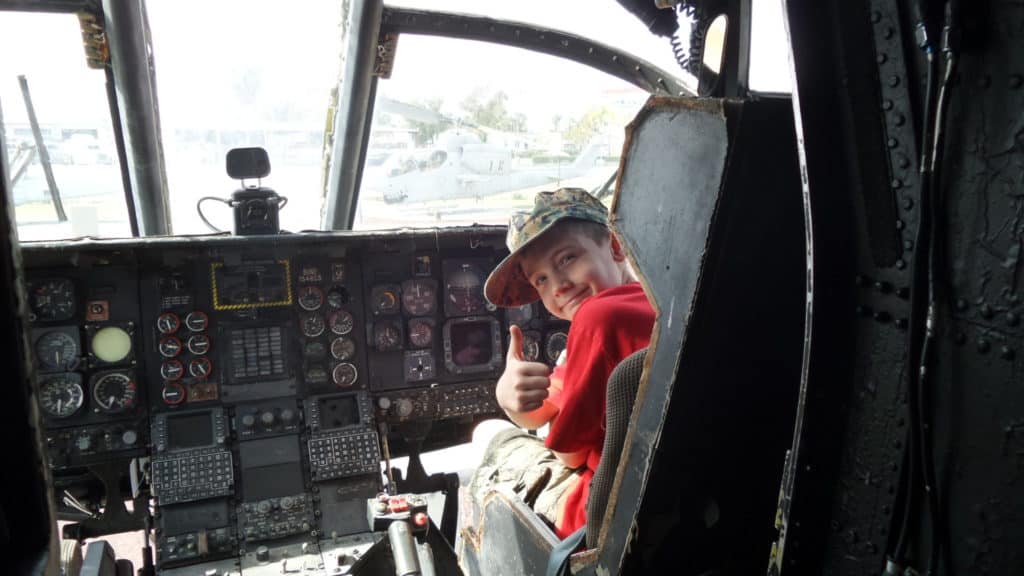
(351,124)
(130,47)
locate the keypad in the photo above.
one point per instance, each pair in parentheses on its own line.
(194,475)
(340,454)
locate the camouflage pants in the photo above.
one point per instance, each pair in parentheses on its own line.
(518,463)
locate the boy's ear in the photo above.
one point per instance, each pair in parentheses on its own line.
(618,254)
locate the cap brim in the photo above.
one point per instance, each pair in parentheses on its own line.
(507,287)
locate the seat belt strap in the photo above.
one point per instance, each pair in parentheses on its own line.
(558,562)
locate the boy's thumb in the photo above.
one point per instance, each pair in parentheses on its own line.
(515,342)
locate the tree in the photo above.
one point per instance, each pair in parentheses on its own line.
(580,132)
(493,113)
(427,131)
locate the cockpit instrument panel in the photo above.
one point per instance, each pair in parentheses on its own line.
(256,374)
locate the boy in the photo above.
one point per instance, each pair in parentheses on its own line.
(563,254)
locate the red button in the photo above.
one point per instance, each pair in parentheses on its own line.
(398,504)
(420,519)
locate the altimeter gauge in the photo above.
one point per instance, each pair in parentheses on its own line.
(61,396)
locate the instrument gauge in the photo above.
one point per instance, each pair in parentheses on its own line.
(168,323)
(114,391)
(172,370)
(62,395)
(343,348)
(419,297)
(170,346)
(52,300)
(520,316)
(555,345)
(387,336)
(341,322)
(200,368)
(313,325)
(344,375)
(419,365)
(112,344)
(421,332)
(531,346)
(199,344)
(385,299)
(311,298)
(197,321)
(465,291)
(316,374)
(57,351)
(338,296)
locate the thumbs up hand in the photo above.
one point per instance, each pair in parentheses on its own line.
(524,385)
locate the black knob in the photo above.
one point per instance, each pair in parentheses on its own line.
(263,554)
(267,418)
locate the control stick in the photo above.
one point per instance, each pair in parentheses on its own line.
(405,519)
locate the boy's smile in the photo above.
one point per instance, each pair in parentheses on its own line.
(566,269)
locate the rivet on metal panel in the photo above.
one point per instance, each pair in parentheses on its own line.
(899,224)
(887,33)
(899,119)
(986,311)
(901,323)
(900,264)
(835,525)
(894,81)
(887,104)
(876,16)
(1006,353)
(908,244)
(908,202)
(882,57)
(896,183)
(961,304)
(892,142)
(851,536)
(983,345)
(902,161)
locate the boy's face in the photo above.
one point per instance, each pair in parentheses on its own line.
(565,269)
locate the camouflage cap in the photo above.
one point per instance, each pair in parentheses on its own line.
(507,286)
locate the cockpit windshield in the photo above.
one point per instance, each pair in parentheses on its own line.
(238,73)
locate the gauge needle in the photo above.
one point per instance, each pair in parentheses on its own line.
(60,405)
(110,402)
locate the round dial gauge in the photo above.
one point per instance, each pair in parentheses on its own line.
(197,321)
(313,325)
(172,370)
(520,316)
(311,298)
(62,395)
(344,375)
(343,348)
(337,297)
(170,346)
(199,344)
(173,393)
(421,332)
(314,350)
(168,323)
(419,297)
(555,345)
(465,291)
(387,336)
(114,391)
(200,367)
(384,299)
(112,344)
(341,322)
(53,300)
(57,351)
(531,346)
